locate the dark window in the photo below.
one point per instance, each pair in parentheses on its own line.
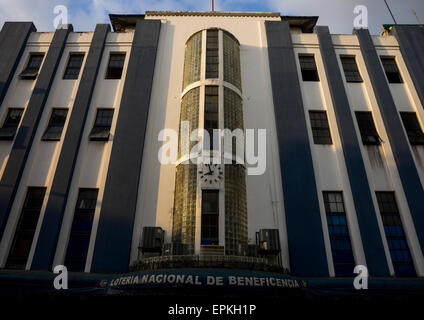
(74,66)
(55,126)
(11,123)
(212,59)
(115,66)
(33,66)
(320,128)
(210,217)
(79,239)
(367,128)
(396,239)
(25,229)
(211,113)
(350,69)
(308,67)
(391,69)
(413,128)
(101,128)
(341,248)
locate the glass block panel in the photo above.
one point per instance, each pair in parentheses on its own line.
(233,113)
(236,232)
(232,72)
(189,112)
(193,54)
(184,218)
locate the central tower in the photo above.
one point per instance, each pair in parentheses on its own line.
(210,210)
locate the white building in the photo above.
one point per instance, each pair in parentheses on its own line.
(81,115)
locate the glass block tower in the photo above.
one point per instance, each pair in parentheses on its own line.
(210,209)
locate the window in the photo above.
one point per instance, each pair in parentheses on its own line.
(211,113)
(55,126)
(210,217)
(413,128)
(320,128)
(115,66)
(339,234)
(396,239)
(25,229)
(74,66)
(33,66)
(212,59)
(391,69)
(308,67)
(350,69)
(367,128)
(10,125)
(79,239)
(101,128)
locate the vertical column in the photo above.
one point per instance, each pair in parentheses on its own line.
(408,173)
(364,206)
(411,42)
(22,145)
(114,233)
(50,229)
(305,235)
(13,38)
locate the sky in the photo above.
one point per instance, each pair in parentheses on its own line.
(337,14)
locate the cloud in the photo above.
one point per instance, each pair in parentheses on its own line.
(40,12)
(84,14)
(338,14)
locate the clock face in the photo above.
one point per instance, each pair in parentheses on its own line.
(211,175)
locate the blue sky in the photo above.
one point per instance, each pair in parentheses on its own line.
(84,14)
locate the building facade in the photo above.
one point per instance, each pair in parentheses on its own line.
(82,114)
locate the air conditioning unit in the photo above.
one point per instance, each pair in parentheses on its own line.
(268,241)
(175,249)
(247,250)
(152,239)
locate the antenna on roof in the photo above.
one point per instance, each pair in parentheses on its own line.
(390,11)
(213,7)
(416,16)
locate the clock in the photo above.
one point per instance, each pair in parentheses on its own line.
(211,175)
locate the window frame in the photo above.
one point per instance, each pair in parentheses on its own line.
(108,75)
(99,128)
(339,232)
(307,72)
(391,219)
(369,131)
(25,229)
(65,76)
(8,132)
(415,135)
(210,128)
(28,73)
(210,74)
(390,79)
(320,139)
(49,126)
(208,227)
(81,215)
(354,74)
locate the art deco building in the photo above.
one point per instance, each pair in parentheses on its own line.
(81,117)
